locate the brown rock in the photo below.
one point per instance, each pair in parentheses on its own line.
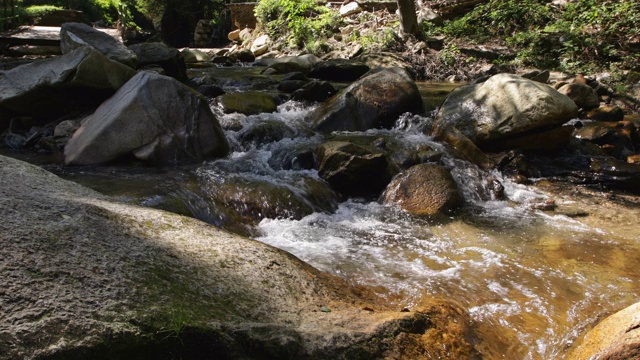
(616,337)
(424,189)
(606,113)
(583,95)
(351,169)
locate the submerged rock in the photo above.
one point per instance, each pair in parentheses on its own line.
(85,276)
(76,35)
(48,89)
(425,189)
(153,117)
(616,337)
(248,103)
(374,101)
(353,170)
(503,106)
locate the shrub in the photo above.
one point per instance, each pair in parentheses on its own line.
(300,21)
(581,36)
(39,10)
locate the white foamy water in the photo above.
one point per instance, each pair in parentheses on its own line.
(513,269)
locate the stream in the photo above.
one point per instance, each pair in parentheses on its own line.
(533,281)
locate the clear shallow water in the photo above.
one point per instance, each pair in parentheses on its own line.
(533,281)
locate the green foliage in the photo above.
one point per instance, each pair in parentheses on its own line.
(581,36)
(382,39)
(300,21)
(39,10)
(105,10)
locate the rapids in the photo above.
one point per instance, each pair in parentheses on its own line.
(533,281)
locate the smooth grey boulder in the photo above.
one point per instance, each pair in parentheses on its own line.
(503,106)
(75,35)
(88,277)
(168,58)
(374,101)
(47,89)
(155,118)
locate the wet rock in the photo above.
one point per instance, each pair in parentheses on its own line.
(338,70)
(248,200)
(353,170)
(153,117)
(606,113)
(616,337)
(583,95)
(504,106)
(374,101)
(248,103)
(265,132)
(47,89)
(618,139)
(549,141)
(244,55)
(316,91)
(76,35)
(289,86)
(286,67)
(168,58)
(425,189)
(85,273)
(463,148)
(210,91)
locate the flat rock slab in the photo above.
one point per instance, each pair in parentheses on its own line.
(85,276)
(44,35)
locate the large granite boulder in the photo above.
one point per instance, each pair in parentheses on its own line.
(75,35)
(424,189)
(87,277)
(153,117)
(503,106)
(353,170)
(169,59)
(48,89)
(616,337)
(374,101)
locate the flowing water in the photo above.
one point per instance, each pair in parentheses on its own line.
(532,281)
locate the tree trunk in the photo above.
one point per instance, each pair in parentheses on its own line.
(408,18)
